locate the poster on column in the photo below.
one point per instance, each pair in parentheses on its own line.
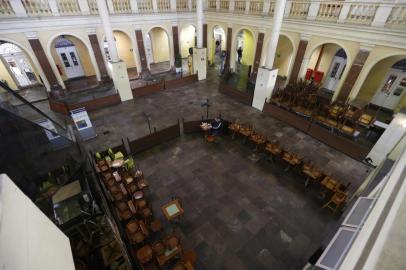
(57,141)
(83,124)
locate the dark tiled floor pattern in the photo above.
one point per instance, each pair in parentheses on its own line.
(238,214)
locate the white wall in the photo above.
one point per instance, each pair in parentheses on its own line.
(28,239)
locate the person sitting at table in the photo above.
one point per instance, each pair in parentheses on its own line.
(216,126)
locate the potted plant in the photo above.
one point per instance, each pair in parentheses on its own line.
(178,63)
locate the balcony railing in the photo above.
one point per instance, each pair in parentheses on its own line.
(390,13)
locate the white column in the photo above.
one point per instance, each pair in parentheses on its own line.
(108,31)
(231,5)
(190,5)
(110,6)
(266,77)
(247,7)
(344,12)
(54,7)
(267,6)
(117,67)
(276,29)
(288,6)
(18,8)
(155,6)
(382,14)
(173,5)
(84,7)
(199,26)
(313,10)
(134,6)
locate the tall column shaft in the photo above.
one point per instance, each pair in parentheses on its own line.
(104,15)
(276,29)
(199,28)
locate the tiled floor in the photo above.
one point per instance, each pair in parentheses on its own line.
(239,214)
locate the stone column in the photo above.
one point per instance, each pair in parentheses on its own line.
(267,75)
(200,52)
(276,29)
(353,74)
(294,75)
(118,68)
(228,46)
(258,53)
(44,63)
(141,50)
(175,40)
(98,54)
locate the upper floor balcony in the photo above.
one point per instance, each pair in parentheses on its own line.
(377,13)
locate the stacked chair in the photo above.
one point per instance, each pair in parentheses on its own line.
(127,189)
(329,188)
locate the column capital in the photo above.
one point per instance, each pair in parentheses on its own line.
(175,24)
(262,30)
(305,36)
(137,27)
(366,47)
(229,25)
(91,30)
(31,35)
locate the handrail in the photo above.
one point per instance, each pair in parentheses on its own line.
(26,102)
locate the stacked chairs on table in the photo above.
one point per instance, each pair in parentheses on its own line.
(127,190)
(329,188)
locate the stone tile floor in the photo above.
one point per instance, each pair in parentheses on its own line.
(239,214)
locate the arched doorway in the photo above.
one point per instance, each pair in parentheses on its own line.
(385,85)
(218,45)
(283,57)
(187,40)
(125,51)
(16,68)
(72,58)
(157,50)
(244,48)
(327,65)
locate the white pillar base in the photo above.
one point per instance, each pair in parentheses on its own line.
(389,139)
(264,86)
(120,79)
(200,63)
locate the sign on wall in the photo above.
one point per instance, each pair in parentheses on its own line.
(83,124)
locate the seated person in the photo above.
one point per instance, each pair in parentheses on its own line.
(216,126)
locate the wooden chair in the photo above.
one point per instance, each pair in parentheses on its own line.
(158,248)
(336,201)
(144,254)
(156,225)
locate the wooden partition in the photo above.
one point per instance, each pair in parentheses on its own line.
(90,105)
(148,89)
(240,96)
(154,139)
(287,117)
(181,81)
(340,143)
(162,85)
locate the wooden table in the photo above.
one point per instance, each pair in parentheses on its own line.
(172,210)
(168,254)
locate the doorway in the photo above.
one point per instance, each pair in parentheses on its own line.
(336,71)
(69,58)
(392,90)
(17,64)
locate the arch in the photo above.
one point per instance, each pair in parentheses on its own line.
(126,52)
(327,58)
(187,39)
(372,87)
(249,51)
(84,42)
(159,54)
(285,66)
(214,51)
(17,48)
(33,59)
